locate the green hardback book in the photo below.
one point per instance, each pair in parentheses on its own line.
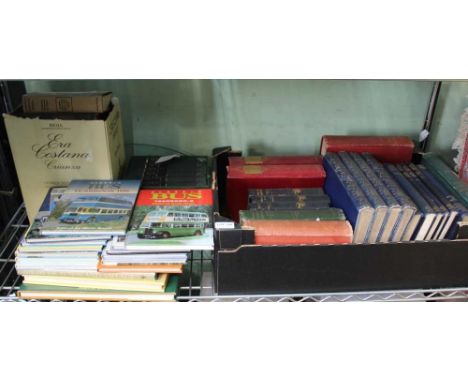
(445,174)
(317,214)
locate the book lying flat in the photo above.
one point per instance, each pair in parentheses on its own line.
(299,192)
(409,217)
(134,285)
(346,194)
(140,268)
(320,214)
(275,160)
(93,207)
(377,202)
(48,292)
(394,208)
(393,149)
(242,178)
(109,275)
(282,232)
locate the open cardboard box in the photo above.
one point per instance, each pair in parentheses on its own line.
(240,267)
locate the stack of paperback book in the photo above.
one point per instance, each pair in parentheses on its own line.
(389,202)
(246,173)
(61,252)
(295,216)
(166,224)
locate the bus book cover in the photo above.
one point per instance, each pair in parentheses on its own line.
(172,220)
(93,207)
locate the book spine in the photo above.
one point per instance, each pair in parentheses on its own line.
(282,232)
(393,149)
(313,215)
(36,103)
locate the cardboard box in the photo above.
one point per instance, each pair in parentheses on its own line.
(71,102)
(52,152)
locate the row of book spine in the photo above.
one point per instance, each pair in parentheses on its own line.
(391,203)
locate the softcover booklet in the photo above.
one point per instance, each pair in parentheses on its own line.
(172,219)
(93,207)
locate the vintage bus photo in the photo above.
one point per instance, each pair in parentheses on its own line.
(165,224)
(95,209)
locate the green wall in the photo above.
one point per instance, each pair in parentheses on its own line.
(272,116)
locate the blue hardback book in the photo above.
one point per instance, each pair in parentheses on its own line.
(372,195)
(428,214)
(442,212)
(449,200)
(346,194)
(409,217)
(394,208)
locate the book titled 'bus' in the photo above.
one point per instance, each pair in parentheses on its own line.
(93,207)
(172,220)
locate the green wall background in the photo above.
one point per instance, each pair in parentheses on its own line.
(272,116)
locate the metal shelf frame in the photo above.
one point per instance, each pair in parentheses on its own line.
(197,280)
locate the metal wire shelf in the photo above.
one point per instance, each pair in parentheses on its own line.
(197,280)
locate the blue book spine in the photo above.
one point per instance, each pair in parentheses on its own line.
(345,193)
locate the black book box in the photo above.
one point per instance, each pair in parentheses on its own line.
(255,269)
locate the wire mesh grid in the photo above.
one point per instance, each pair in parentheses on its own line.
(9,238)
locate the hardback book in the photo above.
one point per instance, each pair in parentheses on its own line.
(445,174)
(242,178)
(409,217)
(394,208)
(289,204)
(319,214)
(95,274)
(377,202)
(57,263)
(93,207)
(442,194)
(172,220)
(428,215)
(49,292)
(134,285)
(68,102)
(139,268)
(346,194)
(426,193)
(450,201)
(50,152)
(275,160)
(284,232)
(392,149)
(287,192)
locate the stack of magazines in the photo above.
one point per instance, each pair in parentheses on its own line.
(61,254)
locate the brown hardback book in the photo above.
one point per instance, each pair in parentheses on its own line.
(71,102)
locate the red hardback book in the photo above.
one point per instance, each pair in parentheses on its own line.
(241,178)
(392,149)
(283,232)
(268,160)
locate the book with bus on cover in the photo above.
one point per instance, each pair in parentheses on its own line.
(93,207)
(172,220)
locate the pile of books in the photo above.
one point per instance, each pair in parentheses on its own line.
(295,216)
(389,202)
(79,248)
(244,173)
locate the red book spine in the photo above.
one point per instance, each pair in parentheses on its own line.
(275,160)
(392,149)
(281,232)
(241,178)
